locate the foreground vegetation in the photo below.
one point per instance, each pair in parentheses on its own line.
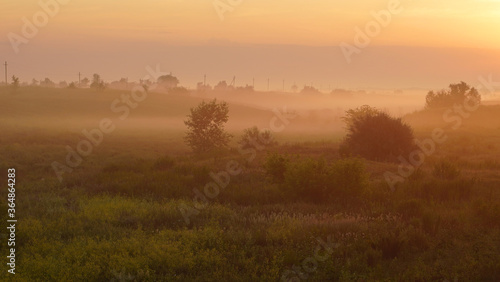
(116,216)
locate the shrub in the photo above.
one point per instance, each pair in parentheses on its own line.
(431,222)
(410,209)
(316,181)
(275,167)
(417,175)
(390,243)
(254,138)
(164,163)
(375,135)
(488,214)
(349,177)
(308,179)
(444,190)
(201,175)
(446,170)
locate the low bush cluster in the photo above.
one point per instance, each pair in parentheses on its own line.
(316,180)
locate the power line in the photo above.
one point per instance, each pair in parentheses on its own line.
(6,82)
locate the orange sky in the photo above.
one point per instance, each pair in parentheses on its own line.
(457,23)
(105,25)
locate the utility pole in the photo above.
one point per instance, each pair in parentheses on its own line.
(6,81)
(205,80)
(79,80)
(253,83)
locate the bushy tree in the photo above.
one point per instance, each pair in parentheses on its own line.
(168,81)
(375,135)
(206,126)
(457,93)
(255,138)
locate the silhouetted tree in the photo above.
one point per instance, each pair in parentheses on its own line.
(309,90)
(246,88)
(97,83)
(375,135)
(15,83)
(168,81)
(96,79)
(206,126)
(85,82)
(47,83)
(457,93)
(221,86)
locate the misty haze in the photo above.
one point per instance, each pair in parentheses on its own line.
(250,141)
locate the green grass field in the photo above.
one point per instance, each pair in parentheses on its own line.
(116,216)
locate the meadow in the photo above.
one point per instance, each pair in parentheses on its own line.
(297,210)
